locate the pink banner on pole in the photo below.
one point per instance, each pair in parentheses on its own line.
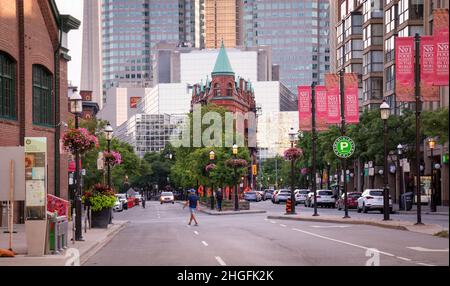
(442,58)
(333,98)
(404,68)
(304,108)
(321,108)
(351,102)
(427,69)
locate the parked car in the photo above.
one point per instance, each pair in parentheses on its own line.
(282,196)
(352,200)
(260,194)
(372,199)
(166,197)
(118,206)
(300,196)
(324,198)
(267,195)
(123,199)
(274,195)
(252,196)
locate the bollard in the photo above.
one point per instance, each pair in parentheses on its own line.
(288,206)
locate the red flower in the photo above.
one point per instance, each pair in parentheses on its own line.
(292,153)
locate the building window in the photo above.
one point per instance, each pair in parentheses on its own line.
(389,75)
(7,87)
(389,19)
(42,96)
(230,90)
(372,88)
(410,10)
(389,49)
(373,62)
(373,35)
(217,89)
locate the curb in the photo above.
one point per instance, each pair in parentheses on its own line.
(88,253)
(234,213)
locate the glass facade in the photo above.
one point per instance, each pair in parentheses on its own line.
(132,28)
(298,33)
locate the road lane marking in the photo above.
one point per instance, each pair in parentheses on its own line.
(330,226)
(403,258)
(266,219)
(204,243)
(283,225)
(343,242)
(196,232)
(221,262)
(424,264)
(422,249)
(273,221)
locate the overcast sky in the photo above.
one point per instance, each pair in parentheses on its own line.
(75,9)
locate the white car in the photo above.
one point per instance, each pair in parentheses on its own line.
(372,199)
(324,198)
(123,199)
(166,197)
(118,206)
(300,196)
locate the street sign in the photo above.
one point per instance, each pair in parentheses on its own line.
(344,147)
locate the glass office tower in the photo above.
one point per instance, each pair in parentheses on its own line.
(297,30)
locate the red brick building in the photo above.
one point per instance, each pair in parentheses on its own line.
(33,79)
(235,95)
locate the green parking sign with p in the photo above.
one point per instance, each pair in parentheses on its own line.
(344,147)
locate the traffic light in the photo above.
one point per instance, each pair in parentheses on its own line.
(255,170)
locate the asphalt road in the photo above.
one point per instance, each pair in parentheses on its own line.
(159,236)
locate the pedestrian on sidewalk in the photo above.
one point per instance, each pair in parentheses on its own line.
(219,198)
(194,205)
(143,202)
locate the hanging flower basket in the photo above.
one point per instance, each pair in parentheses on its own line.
(239,163)
(113,158)
(304,171)
(79,140)
(292,154)
(210,167)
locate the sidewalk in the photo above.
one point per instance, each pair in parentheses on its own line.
(393,224)
(95,239)
(440,210)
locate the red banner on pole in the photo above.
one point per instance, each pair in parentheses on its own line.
(404,68)
(442,58)
(304,108)
(351,102)
(427,69)
(321,108)
(333,99)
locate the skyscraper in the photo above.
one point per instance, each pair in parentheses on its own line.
(126,43)
(297,30)
(91,68)
(223,21)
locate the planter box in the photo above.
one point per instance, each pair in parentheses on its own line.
(101,218)
(228,205)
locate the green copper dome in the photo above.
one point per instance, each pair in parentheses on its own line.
(223,66)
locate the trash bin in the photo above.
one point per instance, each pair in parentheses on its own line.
(406,201)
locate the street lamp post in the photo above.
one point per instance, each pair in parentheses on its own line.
(328,175)
(400,172)
(212,157)
(417,115)
(236,199)
(109,132)
(76,108)
(432,145)
(385,112)
(292,138)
